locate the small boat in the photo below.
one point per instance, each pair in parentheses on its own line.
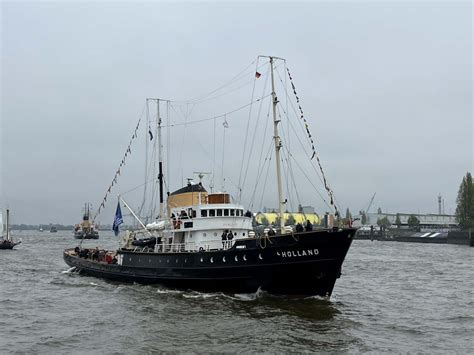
(40,229)
(53,229)
(6,241)
(86,229)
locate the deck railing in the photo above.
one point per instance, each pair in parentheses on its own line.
(187,247)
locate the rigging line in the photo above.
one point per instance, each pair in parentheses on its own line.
(266,179)
(259,175)
(153,166)
(288,143)
(146,158)
(326,184)
(209,156)
(263,142)
(243,76)
(285,172)
(136,187)
(254,133)
(294,110)
(293,180)
(168,140)
(102,204)
(241,184)
(224,94)
(246,133)
(286,113)
(304,150)
(186,116)
(307,177)
(294,185)
(200,97)
(218,116)
(213,158)
(285,139)
(225,125)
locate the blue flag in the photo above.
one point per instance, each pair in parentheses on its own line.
(118,220)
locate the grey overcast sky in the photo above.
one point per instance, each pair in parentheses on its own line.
(386,87)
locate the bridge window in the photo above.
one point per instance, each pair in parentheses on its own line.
(226,212)
(203,213)
(232,212)
(219,213)
(212,213)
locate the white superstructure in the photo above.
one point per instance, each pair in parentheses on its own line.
(208,226)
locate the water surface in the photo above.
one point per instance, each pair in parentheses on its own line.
(396,297)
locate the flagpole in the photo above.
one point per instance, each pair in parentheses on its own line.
(134,215)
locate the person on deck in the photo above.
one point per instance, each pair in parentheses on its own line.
(309,226)
(224,238)
(230,236)
(299,227)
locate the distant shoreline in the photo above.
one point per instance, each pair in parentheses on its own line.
(59,227)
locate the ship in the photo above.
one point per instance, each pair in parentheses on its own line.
(86,229)
(207,241)
(6,241)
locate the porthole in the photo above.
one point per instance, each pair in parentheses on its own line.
(212,260)
(202,260)
(260,256)
(236,258)
(215,234)
(223,259)
(204,234)
(243,234)
(245,258)
(168,261)
(176,261)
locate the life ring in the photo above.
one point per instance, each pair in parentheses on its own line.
(201,249)
(176,224)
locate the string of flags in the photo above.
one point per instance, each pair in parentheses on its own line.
(128,152)
(326,186)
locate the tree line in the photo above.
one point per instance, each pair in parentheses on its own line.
(465,203)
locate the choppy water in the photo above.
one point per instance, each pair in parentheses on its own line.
(395,297)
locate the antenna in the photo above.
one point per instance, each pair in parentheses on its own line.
(201,174)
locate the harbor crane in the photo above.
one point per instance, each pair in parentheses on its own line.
(370,203)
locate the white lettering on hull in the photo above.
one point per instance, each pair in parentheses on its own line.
(297,253)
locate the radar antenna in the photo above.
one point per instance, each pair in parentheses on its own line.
(201,174)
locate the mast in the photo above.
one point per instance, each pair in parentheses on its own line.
(277,151)
(160,157)
(8,224)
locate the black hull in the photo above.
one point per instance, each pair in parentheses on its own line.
(86,236)
(8,245)
(306,263)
